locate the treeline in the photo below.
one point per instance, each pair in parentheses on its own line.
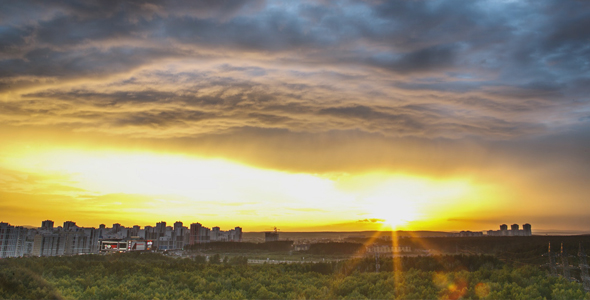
(443,263)
(153,276)
(276,246)
(335,248)
(518,249)
(331,248)
(524,249)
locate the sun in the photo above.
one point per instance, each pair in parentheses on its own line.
(393,211)
(400,201)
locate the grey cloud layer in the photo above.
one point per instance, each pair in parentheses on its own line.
(489,69)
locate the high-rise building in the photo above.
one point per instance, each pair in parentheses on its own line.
(233,235)
(527,229)
(72,240)
(199,234)
(215,233)
(514,230)
(134,231)
(178,235)
(102,231)
(149,232)
(160,232)
(69,225)
(237,234)
(47,225)
(503,227)
(160,229)
(186,236)
(116,227)
(177,226)
(75,240)
(84,240)
(271,236)
(12,240)
(49,244)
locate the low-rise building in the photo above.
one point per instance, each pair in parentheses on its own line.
(386,249)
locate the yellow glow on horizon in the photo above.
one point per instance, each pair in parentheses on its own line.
(143,187)
(401,199)
(394,211)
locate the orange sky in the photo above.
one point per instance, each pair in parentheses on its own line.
(305,116)
(86,179)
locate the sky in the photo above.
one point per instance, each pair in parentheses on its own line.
(305,115)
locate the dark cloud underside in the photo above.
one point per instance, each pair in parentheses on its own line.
(437,87)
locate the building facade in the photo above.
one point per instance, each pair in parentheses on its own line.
(12,240)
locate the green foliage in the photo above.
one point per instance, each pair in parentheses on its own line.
(517,249)
(335,248)
(242,246)
(238,260)
(22,283)
(215,259)
(154,276)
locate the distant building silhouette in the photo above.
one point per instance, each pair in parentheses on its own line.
(199,234)
(12,240)
(47,240)
(504,227)
(116,227)
(527,229)
(69,225)
(514,230)
(47,225)
(271,236)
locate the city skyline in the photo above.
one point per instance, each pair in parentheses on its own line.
(51,225)
(308,116)
(71,239)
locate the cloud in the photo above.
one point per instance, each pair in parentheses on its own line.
(307,209)
(484,88)
(452,72)
(371,221)
(199,100)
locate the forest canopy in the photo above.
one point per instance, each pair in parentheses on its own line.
(154,276)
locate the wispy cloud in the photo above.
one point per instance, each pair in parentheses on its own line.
(483,88)
(428,69)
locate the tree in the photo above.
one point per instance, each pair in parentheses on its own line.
(215,259)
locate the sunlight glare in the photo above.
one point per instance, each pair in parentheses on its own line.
(151,184)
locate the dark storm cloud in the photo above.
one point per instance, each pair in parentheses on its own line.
(487,69)
(253,105)
(93,62)
(429,59)
(402,36)
(12,40)
(158,119)
(367,114)
(17,12)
